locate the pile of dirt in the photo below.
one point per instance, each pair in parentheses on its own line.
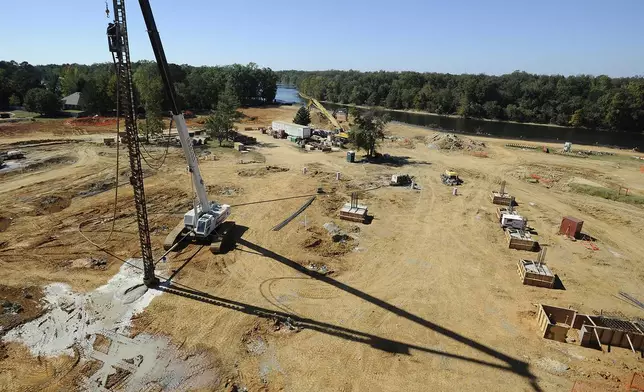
(53,203)
(321,242)
(450,141)
(94,121)
(225,190)
(88,262)
(19,305)
(260,172)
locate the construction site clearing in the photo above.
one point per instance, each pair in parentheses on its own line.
(422,296)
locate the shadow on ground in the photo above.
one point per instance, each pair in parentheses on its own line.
(511,364)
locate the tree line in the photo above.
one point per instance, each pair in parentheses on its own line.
(588,101)
(198,88)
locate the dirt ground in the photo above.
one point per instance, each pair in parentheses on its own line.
(425,297)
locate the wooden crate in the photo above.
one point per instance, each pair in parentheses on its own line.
(500,199)
(520,240)
(535,275)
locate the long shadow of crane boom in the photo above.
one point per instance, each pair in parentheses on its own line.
(516,366)
(388,345)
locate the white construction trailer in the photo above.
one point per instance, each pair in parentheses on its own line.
(301,131)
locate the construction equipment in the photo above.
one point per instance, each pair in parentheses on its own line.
(401,180)
(513,221)
(322,109)
(450,177)
(119,46)
(510,219)
(206,221)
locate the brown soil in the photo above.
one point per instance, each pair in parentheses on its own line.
(260,172)
(428,296)
(19,305)
(52,203)
(319,241)
(4,223)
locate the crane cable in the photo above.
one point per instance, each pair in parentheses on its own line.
(116,181)
(165,154)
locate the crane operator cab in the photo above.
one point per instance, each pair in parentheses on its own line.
(112,38)
(205,224)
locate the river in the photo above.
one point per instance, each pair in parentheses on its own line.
(497,129)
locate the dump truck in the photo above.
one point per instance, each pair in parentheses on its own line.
(450,177)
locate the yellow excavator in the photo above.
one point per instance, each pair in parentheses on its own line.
(314,102)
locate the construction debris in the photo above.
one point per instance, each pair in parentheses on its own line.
(450,141)
(632,300)
(335,232)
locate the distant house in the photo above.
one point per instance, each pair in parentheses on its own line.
(72,102)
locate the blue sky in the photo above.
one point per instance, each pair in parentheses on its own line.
(456,36)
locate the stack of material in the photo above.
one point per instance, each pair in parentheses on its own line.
(522,240)
(450,141)
(534,273)
(353,211)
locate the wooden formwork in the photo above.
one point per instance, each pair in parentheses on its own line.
(354,214)
(554,322)
(598,331)
(503,199)
(535,274)
(518,239)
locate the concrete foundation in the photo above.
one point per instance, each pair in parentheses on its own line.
(356,213)
(535,274)
(594,331)
(554,323)
(519,239)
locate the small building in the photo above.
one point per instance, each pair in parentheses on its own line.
(571,227)
(301,131)
(72,102)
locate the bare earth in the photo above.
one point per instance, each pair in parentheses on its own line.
(426,297)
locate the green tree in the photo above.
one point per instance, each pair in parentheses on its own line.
(302,117)
(153,125)
(221,123)
(71,80)
(14,100)
(42,101)
(576,120)
(150,87)
(368,130)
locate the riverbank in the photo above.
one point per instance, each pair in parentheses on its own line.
(455,116)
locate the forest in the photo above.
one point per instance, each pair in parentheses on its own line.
(198,88)
(597,102)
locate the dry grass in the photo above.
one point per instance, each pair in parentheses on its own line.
(606,193)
